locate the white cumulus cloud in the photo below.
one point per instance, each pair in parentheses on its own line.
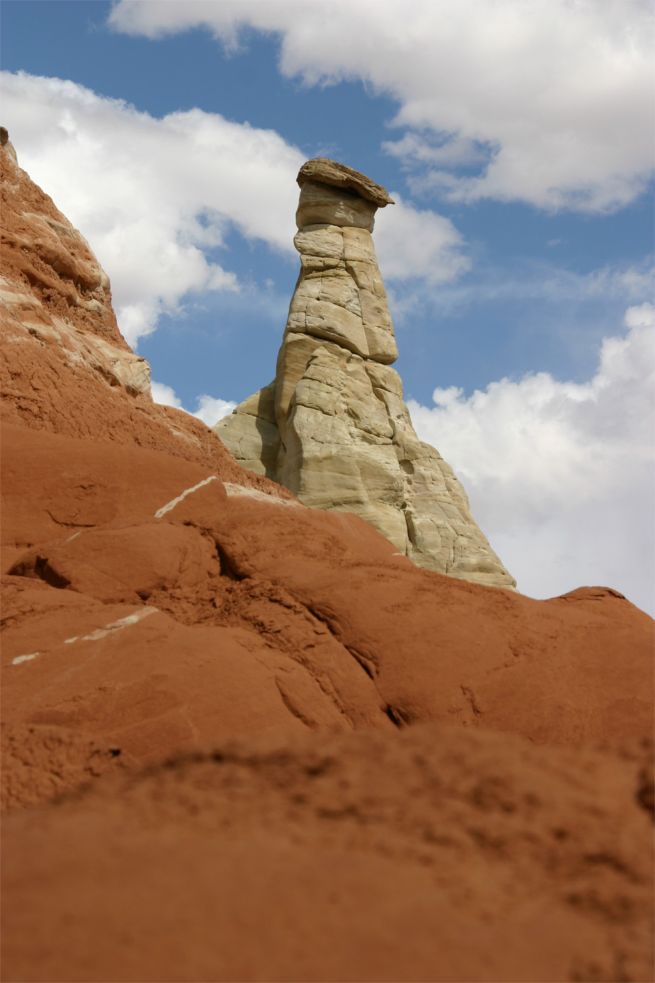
(165,395)
(412,243)
(550,101)
(561,475)
(209,409)
(156,197)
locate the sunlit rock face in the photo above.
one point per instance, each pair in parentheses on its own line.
(229,717)
(52,288)
(333,427)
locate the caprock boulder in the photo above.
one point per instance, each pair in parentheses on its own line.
(333,427)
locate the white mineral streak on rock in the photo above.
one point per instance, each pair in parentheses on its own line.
(188,491)
(260,496)
(98,633)
(24,658)
(333,427)
(113,626)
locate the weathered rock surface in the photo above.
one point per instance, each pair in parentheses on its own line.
(437,854)
(333,426)
(150,621)
(244,740)
(322,170)
(64,366)
(52,286)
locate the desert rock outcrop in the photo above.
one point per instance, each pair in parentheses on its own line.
(64,366)
(52,286)
(333,426)
(244,739)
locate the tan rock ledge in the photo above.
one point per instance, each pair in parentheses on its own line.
(322,170)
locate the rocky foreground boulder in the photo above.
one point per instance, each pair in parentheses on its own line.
(332,426)
(246,740)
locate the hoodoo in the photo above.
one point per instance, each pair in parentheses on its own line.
(332,426)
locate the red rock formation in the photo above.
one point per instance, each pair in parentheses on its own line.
(159,602)
(64,366)
(435,854)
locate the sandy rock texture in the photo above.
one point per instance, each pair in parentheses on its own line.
(333,426)
(437,854)
(245,740)
(64,366)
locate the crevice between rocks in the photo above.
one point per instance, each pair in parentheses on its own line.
(292,708)
(38,568)
(365,663)
(470,697)
(70,525)
(229,566)
(397,717)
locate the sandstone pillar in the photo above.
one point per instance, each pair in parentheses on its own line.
(332,426)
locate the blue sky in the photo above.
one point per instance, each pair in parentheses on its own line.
(519,144)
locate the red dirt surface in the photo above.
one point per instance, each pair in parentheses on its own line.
(436,854)
(242,740)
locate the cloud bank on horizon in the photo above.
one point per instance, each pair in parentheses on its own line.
(560,474)
(551,110)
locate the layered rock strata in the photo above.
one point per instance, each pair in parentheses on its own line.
(52,286)
(65,368)
(333,427)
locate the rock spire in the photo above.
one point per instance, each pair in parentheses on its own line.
(332,426)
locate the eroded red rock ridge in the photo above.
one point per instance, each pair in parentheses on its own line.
(245,740)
